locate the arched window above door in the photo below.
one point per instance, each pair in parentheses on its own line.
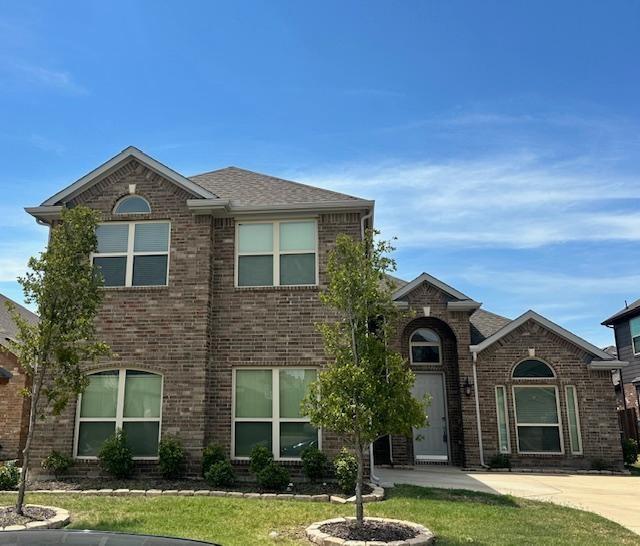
(533,369)
(425,347)
(132,204)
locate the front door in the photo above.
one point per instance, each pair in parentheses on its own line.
(430,443)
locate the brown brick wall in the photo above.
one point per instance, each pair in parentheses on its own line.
(596,397)
(160,329)
(14,408)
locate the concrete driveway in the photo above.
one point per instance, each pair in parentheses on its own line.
(614,497)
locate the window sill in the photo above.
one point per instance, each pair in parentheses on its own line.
(293,287)
(153,288)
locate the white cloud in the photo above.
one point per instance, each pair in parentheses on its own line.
(35,74)
(515,201)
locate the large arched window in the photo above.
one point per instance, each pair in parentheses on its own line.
(125,399)
(132,204)
(425,347)
(533,369)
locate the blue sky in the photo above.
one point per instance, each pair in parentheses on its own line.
(500,140)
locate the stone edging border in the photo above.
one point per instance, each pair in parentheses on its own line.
(60,519)
(424,537)
(376,495)
(551,471)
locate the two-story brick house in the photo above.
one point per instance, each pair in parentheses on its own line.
(626,327)
(211,301)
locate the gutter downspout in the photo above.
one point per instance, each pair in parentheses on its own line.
(475,390)
(363,220)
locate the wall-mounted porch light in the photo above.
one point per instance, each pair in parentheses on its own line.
(467,386)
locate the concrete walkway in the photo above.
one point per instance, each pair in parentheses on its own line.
(614,497)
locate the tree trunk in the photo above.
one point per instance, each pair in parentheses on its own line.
(26,452)
(359,480)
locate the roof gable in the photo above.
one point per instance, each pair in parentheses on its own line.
(553,327)
(426,278)
(112,164)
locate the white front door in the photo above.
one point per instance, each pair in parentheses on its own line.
(431,443)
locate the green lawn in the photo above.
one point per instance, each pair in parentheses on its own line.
(457,517)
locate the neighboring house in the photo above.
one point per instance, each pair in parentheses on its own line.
(626,327)
(14,407)
(211,301)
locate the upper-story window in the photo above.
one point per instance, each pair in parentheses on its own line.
(425,347)
(634,324)
(132,204)
(133,253)
(280,253)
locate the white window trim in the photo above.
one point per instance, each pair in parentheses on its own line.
(275,418)
(130,254)
(577,413)
(123,199)
(275,252)
(506,418)
(119,419)
(633,347)
(437,344)
(558,424)
(553,377)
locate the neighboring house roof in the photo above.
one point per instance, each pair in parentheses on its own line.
(612,350)
(629,311)
(395,281)
(245,188)
(484,324)
(222,191)
(602,359)
(8,329)
(460,300)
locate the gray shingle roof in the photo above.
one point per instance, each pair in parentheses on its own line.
(629,311)
(247,188)
(8,328)
(484,324)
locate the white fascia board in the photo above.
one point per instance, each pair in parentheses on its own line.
(606,365)
(207,206)
(552,326)
(94,176)
(425,277)
(45,214)
(226,207)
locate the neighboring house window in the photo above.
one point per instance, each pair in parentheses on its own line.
(276,253)
(133,253)
(573,419)
(125,399)
(537,417)
(132,204)
(425,347)
(267,411)
(532,369)
(503,419)
(634,324)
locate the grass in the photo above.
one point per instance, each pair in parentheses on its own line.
(457,517)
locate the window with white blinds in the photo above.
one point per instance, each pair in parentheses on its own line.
(133,253)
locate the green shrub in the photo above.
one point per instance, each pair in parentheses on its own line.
(345,466)
(115,456)
(500,460)
(599,464)
(9,477)
(630,451)
(172,459)
(314,464)
(261,457)
(220,474)
(273,476)
(57,463)
(211,455)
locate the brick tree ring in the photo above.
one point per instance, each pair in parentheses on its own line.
(333,532)
(59,518)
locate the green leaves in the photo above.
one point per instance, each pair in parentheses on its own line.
(366,392)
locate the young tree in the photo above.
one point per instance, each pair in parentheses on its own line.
(65,288)
(365,393)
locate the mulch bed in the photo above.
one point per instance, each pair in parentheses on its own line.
(369,530)
(8,515)
(70,484)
